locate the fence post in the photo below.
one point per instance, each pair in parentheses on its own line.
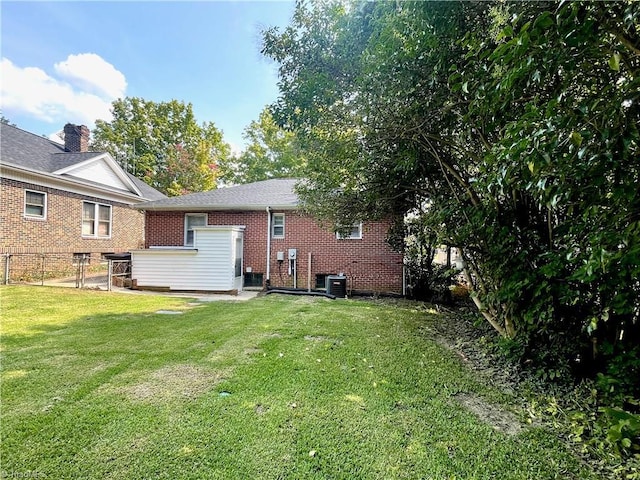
(84,262)
(42,275)
(110,276)
(7,269)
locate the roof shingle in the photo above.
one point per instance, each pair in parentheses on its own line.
(275,193)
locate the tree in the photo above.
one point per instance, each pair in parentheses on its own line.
(6,121)
(272,152)
(510,128)
(162,144)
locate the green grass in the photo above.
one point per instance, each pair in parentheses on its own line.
(97,385)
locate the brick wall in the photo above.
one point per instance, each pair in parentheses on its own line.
(61,231)
(76,138)
(369,263)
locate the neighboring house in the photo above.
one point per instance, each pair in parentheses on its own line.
(449,256)
(258,234)
(62,201)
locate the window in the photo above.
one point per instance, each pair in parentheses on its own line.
(193,220)
(35,204)
(84,258)
(238,254)
(321,281)
(277,225)
(252,279)
(354,233)
(96,220)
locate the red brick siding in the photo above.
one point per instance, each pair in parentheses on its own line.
(164,229)
(369,263)
(61,231)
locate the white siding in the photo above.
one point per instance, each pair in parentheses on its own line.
(99,171)
(210,265)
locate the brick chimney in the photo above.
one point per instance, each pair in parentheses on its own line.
(76,138)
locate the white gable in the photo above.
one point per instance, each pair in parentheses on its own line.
(103,170)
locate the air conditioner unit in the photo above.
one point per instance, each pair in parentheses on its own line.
(337,285)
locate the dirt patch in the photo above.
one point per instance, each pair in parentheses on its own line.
(173,383)
(260,409)
(313,338)
(459,331)
(308,300)
(239,349)
(491,414)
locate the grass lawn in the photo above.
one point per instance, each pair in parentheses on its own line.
(97,385)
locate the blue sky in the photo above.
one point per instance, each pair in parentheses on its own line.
(67,61)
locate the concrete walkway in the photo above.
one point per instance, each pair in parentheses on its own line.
(101,282)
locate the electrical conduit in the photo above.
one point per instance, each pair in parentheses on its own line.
(268,244)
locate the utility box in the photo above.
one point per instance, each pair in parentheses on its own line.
(337,285)
(293,254)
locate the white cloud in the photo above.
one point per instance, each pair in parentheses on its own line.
(55,137)
(81,96)
(91,72)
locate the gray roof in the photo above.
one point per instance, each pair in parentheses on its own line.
(147,190)
(24,149)
(33,152)
(274,193)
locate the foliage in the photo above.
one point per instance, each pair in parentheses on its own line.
(272,152)
(425,280)
(5,120)
(162,144)
(563,173)
(510,130)
(512,127)
(608,437)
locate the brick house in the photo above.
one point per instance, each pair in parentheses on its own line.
(60,202)
(271,230)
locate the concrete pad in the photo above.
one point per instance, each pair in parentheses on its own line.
(242,296)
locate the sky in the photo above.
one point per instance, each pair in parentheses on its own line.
(66,62)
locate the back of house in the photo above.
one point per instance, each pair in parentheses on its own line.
(280,246)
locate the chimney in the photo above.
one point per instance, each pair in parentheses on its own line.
(76,138)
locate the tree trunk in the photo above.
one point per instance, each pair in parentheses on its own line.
(506,331)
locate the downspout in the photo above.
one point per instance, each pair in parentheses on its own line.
(404,280)
(268,245)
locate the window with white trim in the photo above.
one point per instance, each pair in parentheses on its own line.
(277,225)
(35,204)
(96,220)
(355,233)
(192,220)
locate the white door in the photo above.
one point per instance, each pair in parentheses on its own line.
(237,255)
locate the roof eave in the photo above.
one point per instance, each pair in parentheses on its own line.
(211,208)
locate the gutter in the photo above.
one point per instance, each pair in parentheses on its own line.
(268,245)
(208,207)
